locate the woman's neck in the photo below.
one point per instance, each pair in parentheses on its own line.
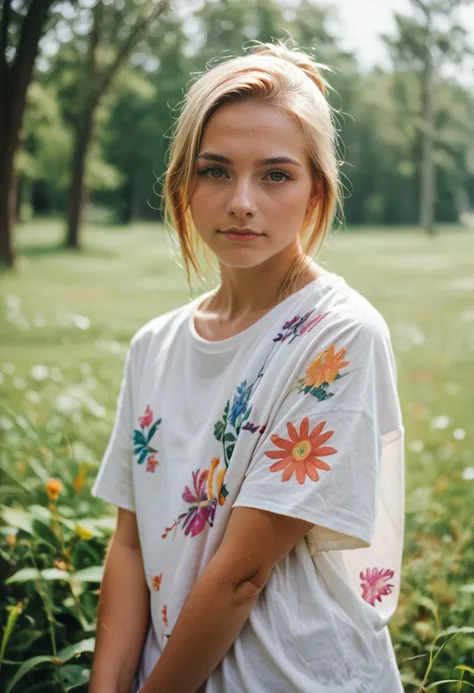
(253,291)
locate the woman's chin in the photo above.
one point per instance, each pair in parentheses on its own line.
(241,259)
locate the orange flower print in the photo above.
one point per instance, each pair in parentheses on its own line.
(164,615)
(151,462)
(219,479)
(301,452)
(156,581)
(325,367)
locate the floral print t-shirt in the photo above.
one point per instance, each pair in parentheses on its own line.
(299,415)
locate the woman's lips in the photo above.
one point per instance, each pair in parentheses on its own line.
(240,236)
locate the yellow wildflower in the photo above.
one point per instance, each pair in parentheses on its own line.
(11,540)
(83,532)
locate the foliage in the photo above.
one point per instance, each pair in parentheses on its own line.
(379,112)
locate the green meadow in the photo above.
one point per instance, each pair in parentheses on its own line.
(65,322)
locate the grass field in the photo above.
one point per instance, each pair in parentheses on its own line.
(65,326)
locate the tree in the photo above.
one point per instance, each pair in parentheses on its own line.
(145,102)
(109,26)
(21,29)
(425,43)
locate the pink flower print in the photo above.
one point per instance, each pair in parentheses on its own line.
(152,462)
(147,417)
(374,584)
(201,509)
(298,325)
(312,323)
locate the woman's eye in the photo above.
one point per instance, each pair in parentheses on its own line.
(210,172)
(283,176)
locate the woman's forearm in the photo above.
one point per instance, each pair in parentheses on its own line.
(123,618)
(212,617)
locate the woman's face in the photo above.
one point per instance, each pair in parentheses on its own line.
(253,174)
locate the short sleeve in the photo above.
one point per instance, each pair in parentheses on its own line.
(114,481)
(320,457)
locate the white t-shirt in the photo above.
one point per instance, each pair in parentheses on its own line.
(298,415)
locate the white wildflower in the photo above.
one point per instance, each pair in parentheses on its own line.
(440,422)
(416,446)
(39,372)
(81,322)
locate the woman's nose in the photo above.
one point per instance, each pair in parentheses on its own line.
(242,202)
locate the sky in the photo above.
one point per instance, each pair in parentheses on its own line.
(362,22)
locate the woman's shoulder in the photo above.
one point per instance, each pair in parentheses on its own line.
(347,312)
(160,326)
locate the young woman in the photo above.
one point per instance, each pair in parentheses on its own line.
(257,454)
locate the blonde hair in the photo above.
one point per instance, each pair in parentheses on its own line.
(292,81)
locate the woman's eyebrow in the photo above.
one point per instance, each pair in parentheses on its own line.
(211,156)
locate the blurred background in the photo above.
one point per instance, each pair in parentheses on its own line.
(89,93)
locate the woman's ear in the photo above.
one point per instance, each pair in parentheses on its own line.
(315,195)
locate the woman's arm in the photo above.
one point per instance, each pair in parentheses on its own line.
(123,612)
(222,598)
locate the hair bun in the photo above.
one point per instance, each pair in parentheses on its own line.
(298,58)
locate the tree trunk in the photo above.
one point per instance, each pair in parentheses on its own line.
(19,185)
(76,199)
(128,200)
(94,88)
(14,81)
(428,182)
(7,151)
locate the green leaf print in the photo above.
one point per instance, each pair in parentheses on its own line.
(139,438)
(219,429)
(153,429)
(320,393)
(246,415)
(226,412)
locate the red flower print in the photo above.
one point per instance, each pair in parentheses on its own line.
(301,453)
(156,581)
(164,614)
(374,584)
(152,462)
(147,417)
